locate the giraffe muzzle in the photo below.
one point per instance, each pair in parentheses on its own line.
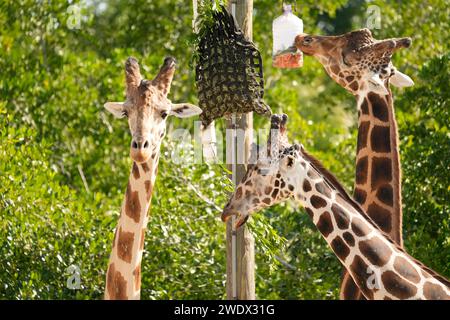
(229,212)
(140,150)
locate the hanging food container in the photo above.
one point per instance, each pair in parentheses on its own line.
(285,28)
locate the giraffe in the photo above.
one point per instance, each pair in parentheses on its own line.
(378,265)
(362,65)
(147,108)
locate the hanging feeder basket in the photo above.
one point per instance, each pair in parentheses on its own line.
(229,72)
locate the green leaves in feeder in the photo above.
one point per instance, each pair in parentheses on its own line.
(229,72)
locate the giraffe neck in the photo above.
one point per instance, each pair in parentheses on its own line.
(123,280)
(378,172)
(377,176)
(379,267)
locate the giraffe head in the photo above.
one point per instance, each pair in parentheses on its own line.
(147,108)
(273,175)
(357,61)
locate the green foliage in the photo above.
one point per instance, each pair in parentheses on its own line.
(44,226)
(54,132)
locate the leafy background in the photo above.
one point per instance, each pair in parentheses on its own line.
(54,81)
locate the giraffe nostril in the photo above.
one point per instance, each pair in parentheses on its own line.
(146,144)
(134,145)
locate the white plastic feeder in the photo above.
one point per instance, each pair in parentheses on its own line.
(285,28)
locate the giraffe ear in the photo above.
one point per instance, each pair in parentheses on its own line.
(116,108)
(184,110)
(376,85)
(401,80)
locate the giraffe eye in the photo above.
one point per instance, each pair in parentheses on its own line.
(307,40)
(125,114)
(164,114)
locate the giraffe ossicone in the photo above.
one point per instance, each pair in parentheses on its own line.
(147,108)
(380,268)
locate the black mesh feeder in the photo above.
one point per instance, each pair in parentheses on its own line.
(229,72)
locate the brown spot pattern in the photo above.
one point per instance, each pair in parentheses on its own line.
(361,170)
(360,195)
(275,193)
(381,171)
(137,277)
(363,133)
(433,291)
(360,275)
(238,193)
(380,216)
(309,212)
(340,248)
(380,139)
(312,174)
(141,245)
(385,194)
(359,227)
(365,106)
(323,189)
(318,202)
(148,189)
(376,251)
(354,85)
(132,204)
(306,186)
(116,284)
(350,289)
(135,171)
(125,245)
(379,107)
(334,68)
(145,167)
(341,217)
(324,224)
(406,270)
(396,286)
(348,237)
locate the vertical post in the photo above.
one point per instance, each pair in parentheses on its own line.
(240,243)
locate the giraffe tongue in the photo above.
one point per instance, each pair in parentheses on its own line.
(241,221)
(227,214)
